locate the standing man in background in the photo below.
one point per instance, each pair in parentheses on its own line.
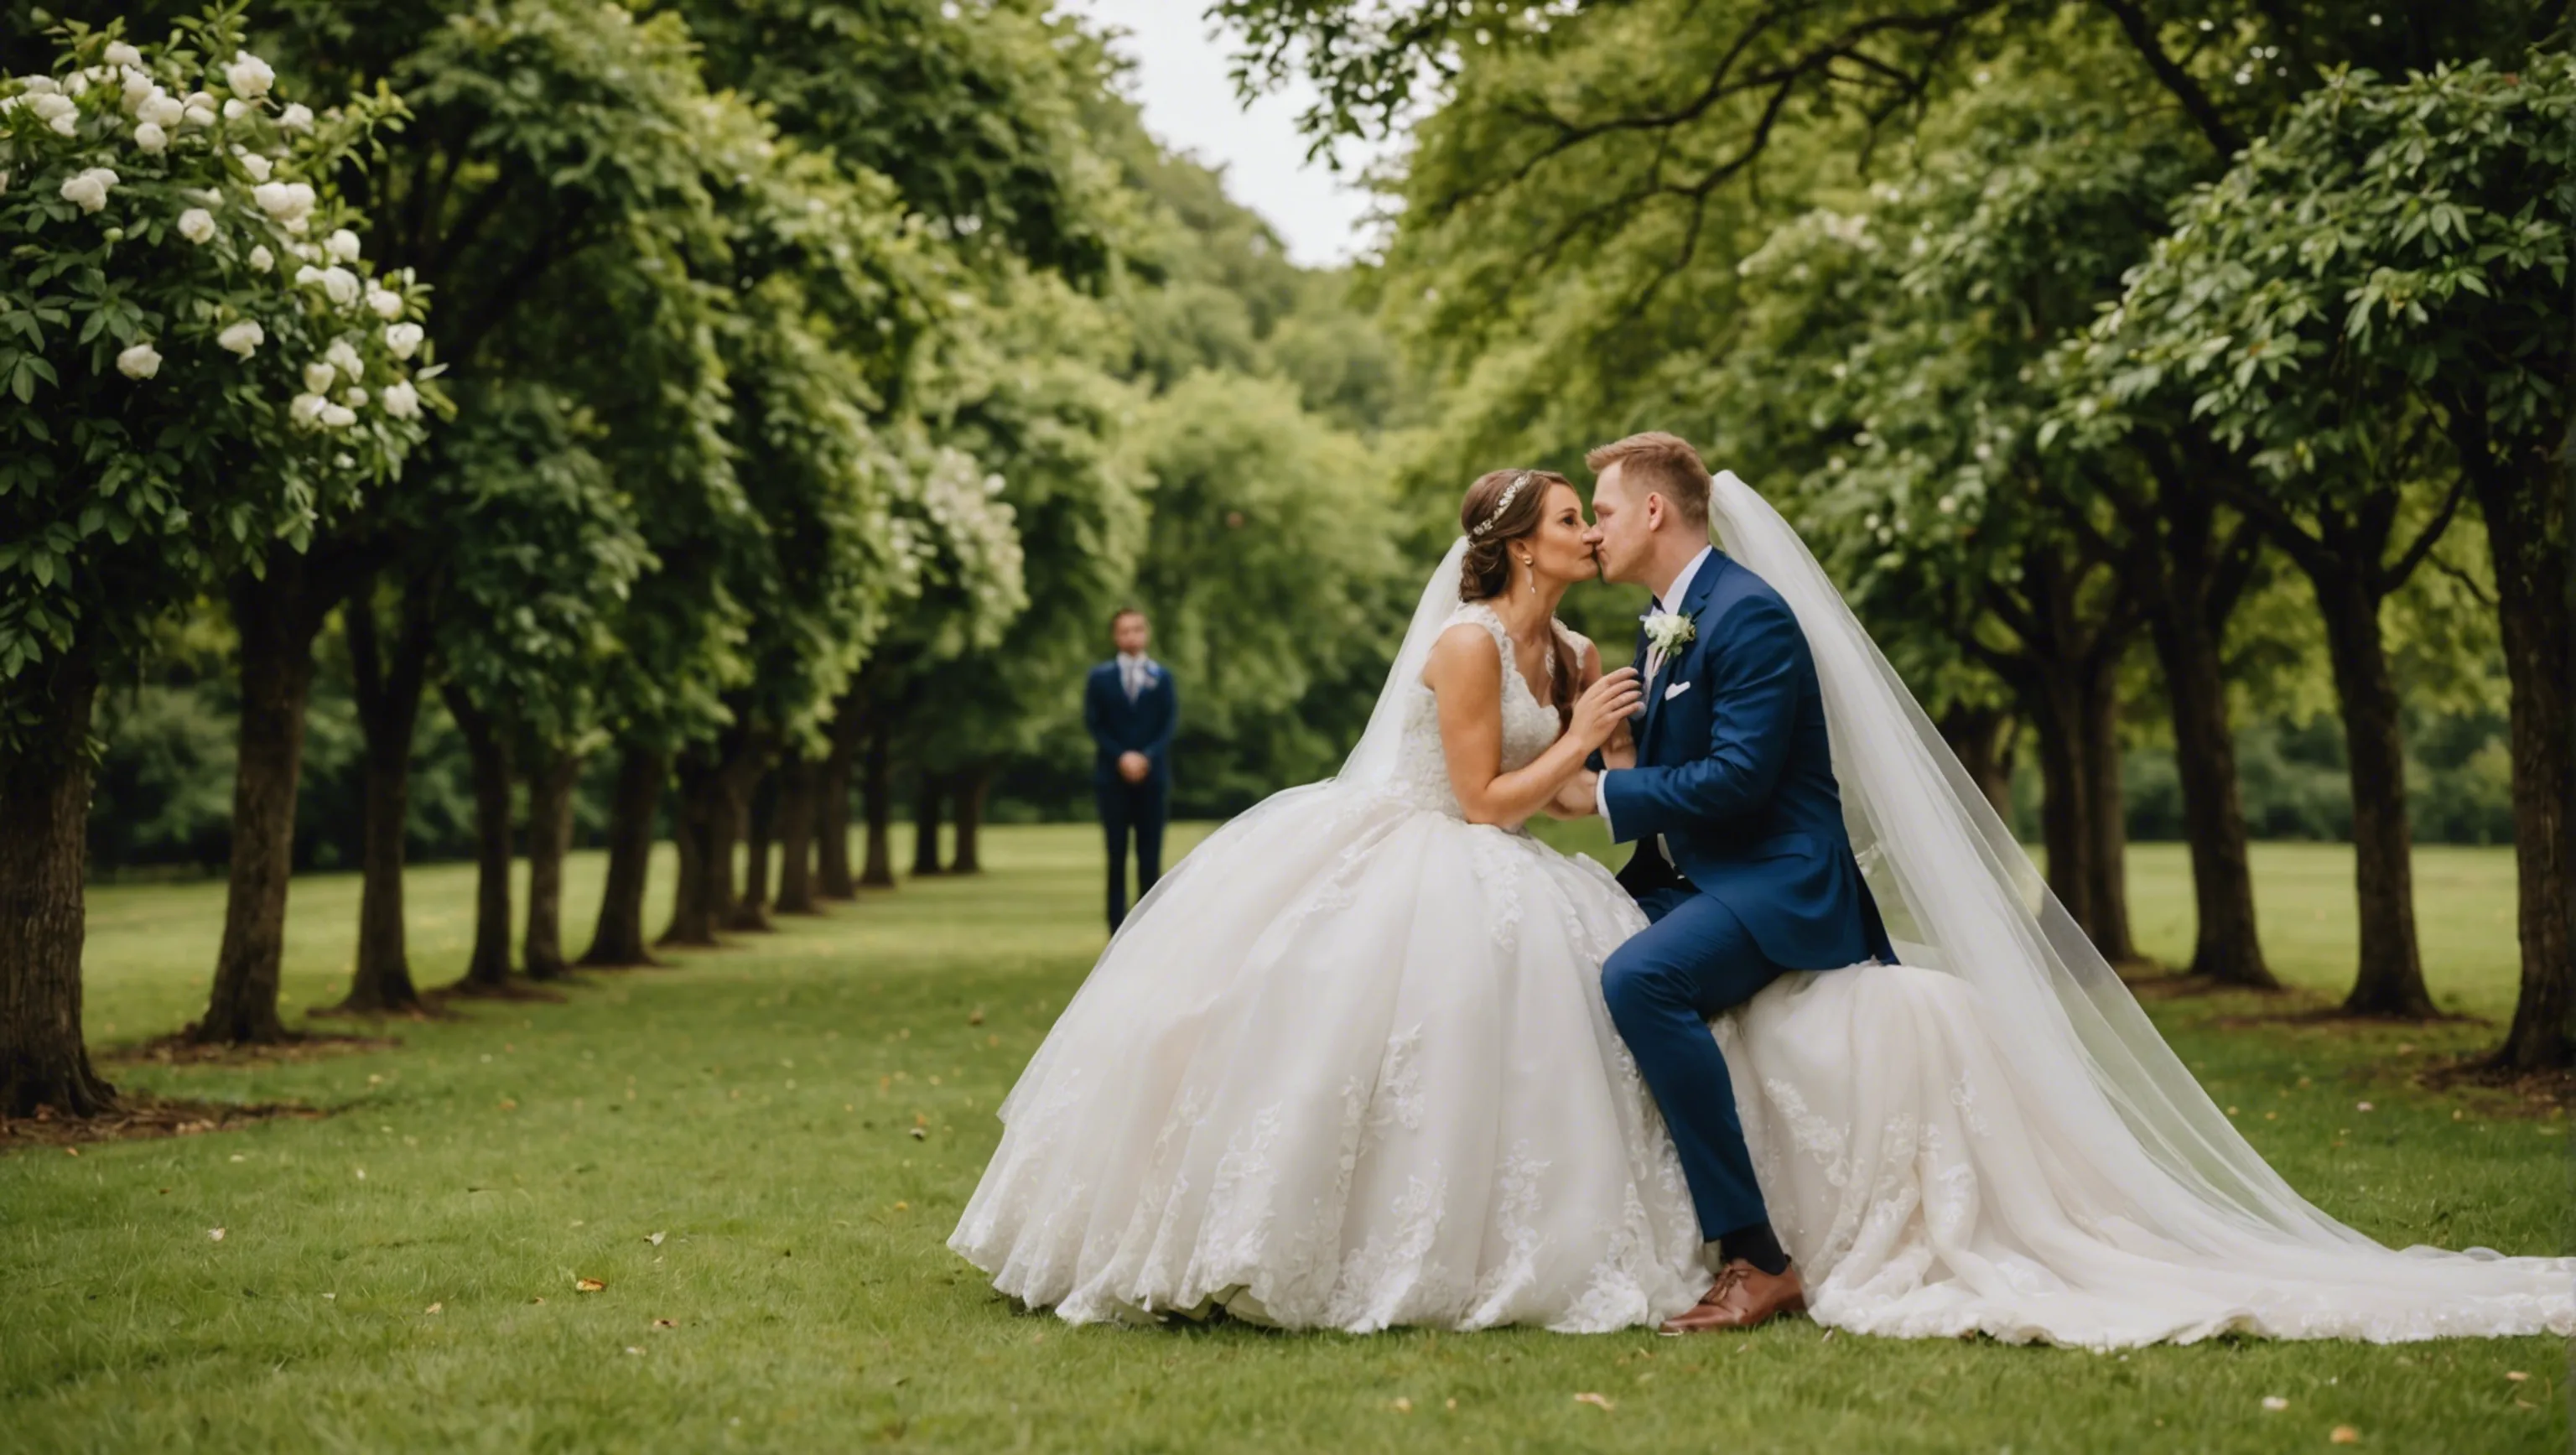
(1131,709)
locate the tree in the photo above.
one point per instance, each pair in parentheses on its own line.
(179,393)
(2371,305)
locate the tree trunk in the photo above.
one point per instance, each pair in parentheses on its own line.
(489,754)
(747,818)
(2054,705)
(1982,740)
(2106,815)
(550,788)
(925,826)
(44,801)
(2528,540)
(877,789)
(796,774)
(694,830)
(2227,945)
(2391,978)
(967,789)
(828,790)
(389,689)
(618,939)
(276,619)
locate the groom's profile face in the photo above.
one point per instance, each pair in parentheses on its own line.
(1622,525)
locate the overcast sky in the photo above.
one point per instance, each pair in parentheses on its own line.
(1180,82)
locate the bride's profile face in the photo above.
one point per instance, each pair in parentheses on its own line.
(1559,549)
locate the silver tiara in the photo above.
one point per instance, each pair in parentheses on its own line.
(1510,494)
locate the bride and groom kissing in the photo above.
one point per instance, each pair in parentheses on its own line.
(1374,1055)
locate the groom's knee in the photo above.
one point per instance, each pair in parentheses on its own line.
(1637,985)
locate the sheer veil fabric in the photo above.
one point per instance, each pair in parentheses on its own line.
(1992,1136)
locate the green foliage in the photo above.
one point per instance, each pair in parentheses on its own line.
(194,359)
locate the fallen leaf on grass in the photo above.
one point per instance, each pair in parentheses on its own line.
(1453,1404)
(2344,1435)
(537,1300)
(433,1308)
(587,1285)
(653,1238)
(1593,1399)
(918,1134)
(634,1348)
(217,1234)
(71,1151)
(666,1323)
(1402,1406)
(975,1018)
(2516,1375)
(2275,1403)
(2362,1106)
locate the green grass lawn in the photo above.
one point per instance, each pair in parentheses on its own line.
(727,1146)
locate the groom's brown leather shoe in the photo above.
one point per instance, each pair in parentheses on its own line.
(1743,1296)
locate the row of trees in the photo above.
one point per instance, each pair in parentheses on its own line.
(2234,335)
(744,401)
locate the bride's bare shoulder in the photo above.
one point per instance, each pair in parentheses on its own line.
(1462,657)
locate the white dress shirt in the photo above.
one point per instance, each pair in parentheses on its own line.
(1135,672)
(1673,592)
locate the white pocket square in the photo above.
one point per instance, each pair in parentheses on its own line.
(1676,690)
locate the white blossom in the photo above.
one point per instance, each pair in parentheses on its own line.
(243,338)
(253,163)
(355,398)
(248,75)
(338,416)
(319,377)
(298,223)
(50,104)
(236,109)
(198,116)
(197,225)
(141,361)
(343,245)
(298,117)
(121,54)
(284,201)
(306,409)
(161,109)
(38,85)
(151,138)
(261,260)
(384,303)
(89,189)
(340,284)
(75,84)
(402,340)
(67,124)
(402,401)
(345,359)
(205,99)
(135,83)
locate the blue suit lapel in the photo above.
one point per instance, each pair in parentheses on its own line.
(1692,601)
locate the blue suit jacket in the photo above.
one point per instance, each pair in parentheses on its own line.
(1118,726)
(1735,772)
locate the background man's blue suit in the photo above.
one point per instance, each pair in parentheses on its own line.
(1119,726)
(1736,779)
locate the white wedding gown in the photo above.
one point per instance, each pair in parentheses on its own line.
(1349,1066)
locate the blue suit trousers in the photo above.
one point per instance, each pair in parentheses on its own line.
(1694,962)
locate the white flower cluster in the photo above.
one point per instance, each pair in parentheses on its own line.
(89,188)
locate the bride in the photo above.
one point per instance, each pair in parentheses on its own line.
(1349,1065)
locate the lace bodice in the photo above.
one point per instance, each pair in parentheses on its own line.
(1529,725)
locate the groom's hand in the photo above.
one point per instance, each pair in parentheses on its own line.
(1134,766)
(1578,798)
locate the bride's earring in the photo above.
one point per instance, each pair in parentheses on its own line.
(1530,563)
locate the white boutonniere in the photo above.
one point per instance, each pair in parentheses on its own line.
(1669,631)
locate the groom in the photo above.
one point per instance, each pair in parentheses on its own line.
(1742,862)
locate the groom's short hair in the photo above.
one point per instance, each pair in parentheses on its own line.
(1662,463)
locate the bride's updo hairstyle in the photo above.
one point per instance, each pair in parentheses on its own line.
(1500,508)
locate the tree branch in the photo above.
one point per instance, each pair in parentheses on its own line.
(2169,73)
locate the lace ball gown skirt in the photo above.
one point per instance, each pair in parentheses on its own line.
(1928,1187)
(1347,1067)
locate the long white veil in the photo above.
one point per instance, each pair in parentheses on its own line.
(1959,895)
(1374,759)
